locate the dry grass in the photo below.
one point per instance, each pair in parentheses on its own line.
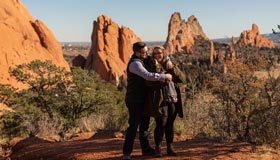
(275,72)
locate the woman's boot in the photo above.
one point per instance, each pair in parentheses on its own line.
(170,150)
(158,151)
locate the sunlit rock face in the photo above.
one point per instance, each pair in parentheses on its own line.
(111,49)
(253,38)
(24,39)
(182,35)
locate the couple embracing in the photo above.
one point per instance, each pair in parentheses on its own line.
(151,91)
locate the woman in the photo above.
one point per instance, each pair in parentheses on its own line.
(164,101)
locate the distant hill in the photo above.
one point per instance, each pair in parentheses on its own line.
(75,44)
(155,43)
(274,37)
(88,44)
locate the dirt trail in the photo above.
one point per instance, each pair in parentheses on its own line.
(105,146)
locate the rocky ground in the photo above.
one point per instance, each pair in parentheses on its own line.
(107,145)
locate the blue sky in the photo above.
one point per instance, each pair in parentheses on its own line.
(71,20)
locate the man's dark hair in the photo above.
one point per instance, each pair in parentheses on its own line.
(138,46)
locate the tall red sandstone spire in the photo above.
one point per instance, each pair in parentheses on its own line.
(111,48)
(182,35)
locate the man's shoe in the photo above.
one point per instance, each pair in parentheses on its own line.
(148,151)
(158,153)
(126,157)
(170,150)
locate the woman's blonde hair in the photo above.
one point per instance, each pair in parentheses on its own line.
(161,49)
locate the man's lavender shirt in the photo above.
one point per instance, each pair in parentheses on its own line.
(137,68)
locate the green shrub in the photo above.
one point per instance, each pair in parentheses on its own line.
(64,97)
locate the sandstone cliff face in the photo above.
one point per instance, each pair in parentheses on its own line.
(24,39)
(182,35)
(253,38)
(111,49)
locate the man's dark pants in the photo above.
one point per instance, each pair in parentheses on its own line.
(136,118)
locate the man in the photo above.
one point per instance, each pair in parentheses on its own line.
(135,100)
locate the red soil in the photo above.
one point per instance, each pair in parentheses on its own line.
(106,146)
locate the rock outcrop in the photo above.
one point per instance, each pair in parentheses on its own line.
(79,61)
(111,49)
(182,35)
(24,39)
(253,38)
(212,53)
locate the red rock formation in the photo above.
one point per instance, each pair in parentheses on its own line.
(232,53)
(79,61)
(212,53)
(182,35)
(233,41)
(111,49)
(24,39)
(225,69)
(253,38)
